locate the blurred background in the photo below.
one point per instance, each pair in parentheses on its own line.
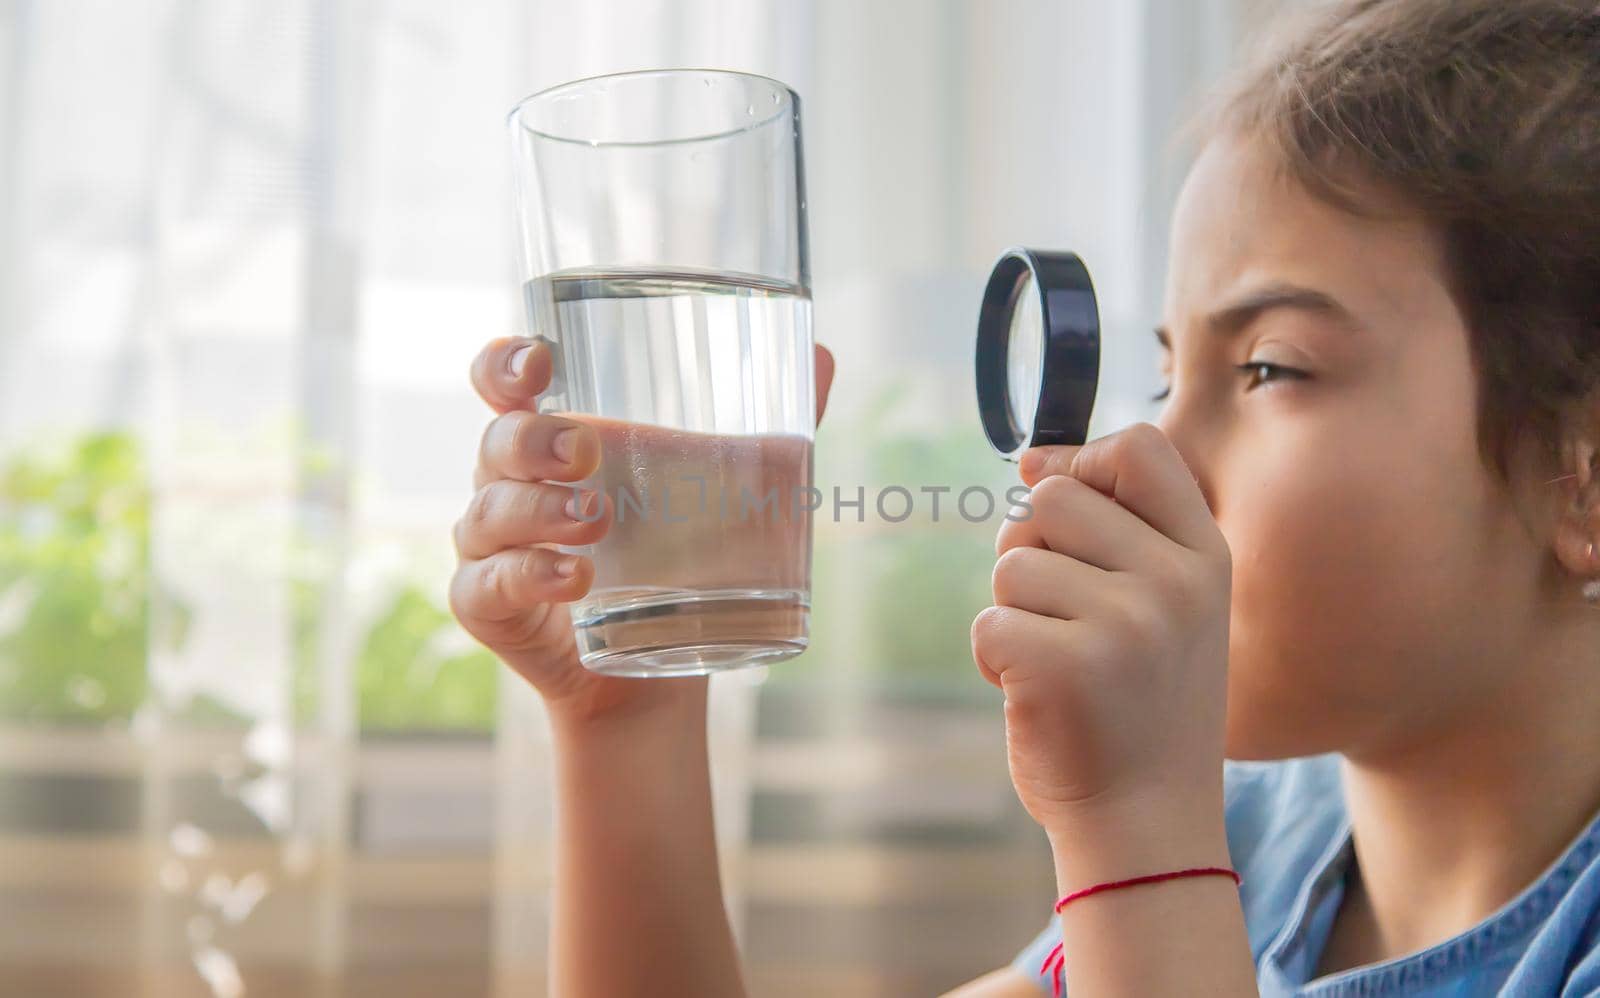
(247,250)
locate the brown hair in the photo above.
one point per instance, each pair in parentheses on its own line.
(1484,116)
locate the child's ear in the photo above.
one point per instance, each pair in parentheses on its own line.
(1583,453)
(1577,534)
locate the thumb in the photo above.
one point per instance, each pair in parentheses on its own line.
(1038,463)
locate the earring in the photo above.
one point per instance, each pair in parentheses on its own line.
(1591,588)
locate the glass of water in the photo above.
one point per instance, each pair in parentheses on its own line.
(663,225)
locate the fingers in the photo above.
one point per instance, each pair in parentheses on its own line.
(530,447)
(824,375)
(1071,517)
(511,371)
(509,584)
(507,514)
(1044,582)
(1038,463)
(1006,639)
(1141,468)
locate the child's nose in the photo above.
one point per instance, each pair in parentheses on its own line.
(1186,438)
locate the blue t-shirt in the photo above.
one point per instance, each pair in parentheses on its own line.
(1289,839)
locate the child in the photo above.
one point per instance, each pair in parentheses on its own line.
(1356,542)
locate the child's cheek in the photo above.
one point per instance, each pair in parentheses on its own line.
(1338,582)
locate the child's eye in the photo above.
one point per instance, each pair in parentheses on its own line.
(1261,365)
(1250,368)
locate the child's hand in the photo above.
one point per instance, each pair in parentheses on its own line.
(1109,635)
(511,583)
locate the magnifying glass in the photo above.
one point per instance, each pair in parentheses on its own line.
(1038,357)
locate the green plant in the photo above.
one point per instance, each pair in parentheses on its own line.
(74,581)
(75,587)
(415,670)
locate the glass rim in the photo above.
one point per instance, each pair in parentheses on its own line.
(514,117)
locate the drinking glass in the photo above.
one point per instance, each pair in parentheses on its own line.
(663,237)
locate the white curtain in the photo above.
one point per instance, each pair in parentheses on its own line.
(247,250)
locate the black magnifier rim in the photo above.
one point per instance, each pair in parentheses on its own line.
(1069,369)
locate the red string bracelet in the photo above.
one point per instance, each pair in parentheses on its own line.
(1056,961)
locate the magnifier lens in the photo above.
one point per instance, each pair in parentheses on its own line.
(1024,357)
(1037,356)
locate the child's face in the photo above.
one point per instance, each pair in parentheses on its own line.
(1380,577)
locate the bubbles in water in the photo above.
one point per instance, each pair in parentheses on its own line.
(631,446)
(749,109)
(774,98)
(706,80)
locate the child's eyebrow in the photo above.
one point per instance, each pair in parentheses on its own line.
(1239,314)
